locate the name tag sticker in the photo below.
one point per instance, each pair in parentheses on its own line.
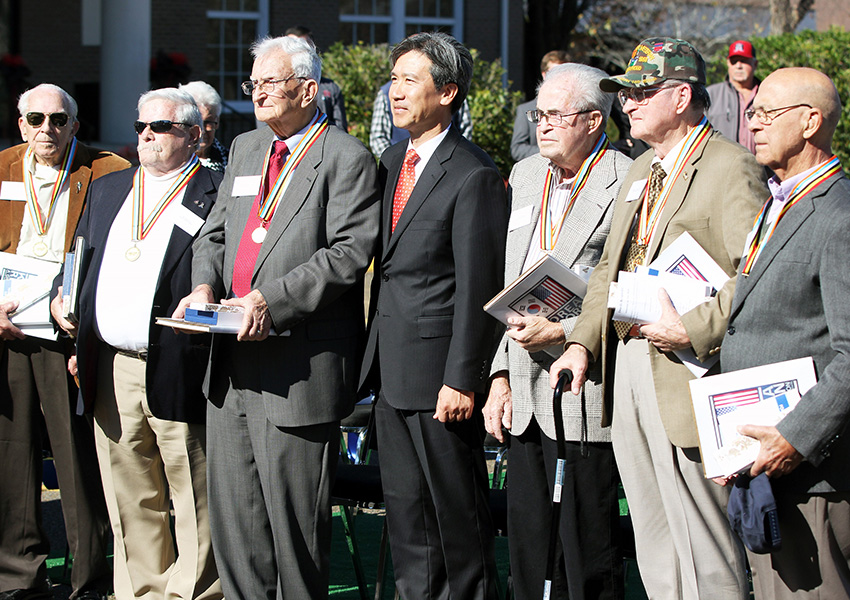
(188,221)
(520,217)
(12,190)
(248,185)
(636,191)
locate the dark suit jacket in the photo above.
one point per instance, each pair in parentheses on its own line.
(434,274)
(794,304)
(310,271)
(175,363)
(524,138)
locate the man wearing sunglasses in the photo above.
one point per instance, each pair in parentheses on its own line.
(42,195)
(691,180)
(289,240)
(143,381)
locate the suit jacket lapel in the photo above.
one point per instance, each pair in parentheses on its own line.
(17,208)
(198,199)
(393,173)
(527,192)
(78,185)
(434,171)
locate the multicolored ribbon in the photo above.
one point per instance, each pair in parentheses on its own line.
(40,223)
(548,230)
(806,186)
(649,221)
(269,203)
(142,226)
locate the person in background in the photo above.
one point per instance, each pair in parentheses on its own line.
(45,182)
(732,97)
(524,139)
(142,380)
(211,152)
(331,100)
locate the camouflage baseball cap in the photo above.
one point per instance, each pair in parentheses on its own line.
(656,60)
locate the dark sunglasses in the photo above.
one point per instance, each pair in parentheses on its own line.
(35,119)
(157,126)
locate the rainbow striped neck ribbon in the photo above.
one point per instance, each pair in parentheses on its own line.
(142,226)
(41,223)
(805,186)
(649,220)
(549,230)
(265,211)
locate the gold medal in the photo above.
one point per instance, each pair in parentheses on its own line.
(133,253)
(258,235)
(39,249)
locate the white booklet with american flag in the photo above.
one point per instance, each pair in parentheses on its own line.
(757,396)
(547,289)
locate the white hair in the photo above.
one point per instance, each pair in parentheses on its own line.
(305,60)
(69,103)
(204,94)
(187,109)
(583,82)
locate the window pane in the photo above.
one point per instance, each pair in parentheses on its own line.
(213,60)
(412,8)
(447,8)
(231,32)
(230,89)
(429,8)
(231,56)
(247,63)
(382,34)
(251,5)
(411,28)
(382,7)
(364,33)
(249,32)
(213,31)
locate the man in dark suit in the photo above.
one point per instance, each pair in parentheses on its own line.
(791,302)
(685,546)
(34,381)
(143,381)
(430,343)
(291,248)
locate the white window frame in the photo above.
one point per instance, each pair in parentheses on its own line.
(398,21)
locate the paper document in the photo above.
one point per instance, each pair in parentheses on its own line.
(28,281)
(634,296)
(758,396)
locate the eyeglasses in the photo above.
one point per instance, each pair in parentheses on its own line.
(639,96)
(555,119)
(267,86)
(766,117)
(157,126)
(35,119)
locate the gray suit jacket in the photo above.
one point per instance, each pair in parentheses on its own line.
(310,271)
(524,138)
(581,241)
(793,304)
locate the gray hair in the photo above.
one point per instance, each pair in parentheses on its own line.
(204,94)
(302,53)
(67,101)
(583,82)
(187,111)
(451,62)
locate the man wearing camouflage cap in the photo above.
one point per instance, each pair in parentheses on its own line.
(692,180)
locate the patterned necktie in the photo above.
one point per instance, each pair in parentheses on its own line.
(636,253)
(406,181)
(246,255)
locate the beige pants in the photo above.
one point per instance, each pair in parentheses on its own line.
(144,463)
(685,547)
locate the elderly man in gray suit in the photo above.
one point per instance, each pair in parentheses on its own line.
(572,184)
(790,302)
(289,240)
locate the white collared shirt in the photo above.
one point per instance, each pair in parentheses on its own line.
(44,178)
(426,150)
(557,207)
(125,289)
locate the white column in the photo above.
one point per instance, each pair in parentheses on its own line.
(125,55)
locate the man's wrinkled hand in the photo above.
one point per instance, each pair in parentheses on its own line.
(776,456)
(257,321)
(576,359)
(8,330)
(499,407)
(57,308)
(534,334)
(454,405)
(202,293)
(668,334)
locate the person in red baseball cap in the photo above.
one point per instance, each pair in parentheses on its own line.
(733,96)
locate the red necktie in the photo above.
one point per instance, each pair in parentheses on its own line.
(246,255)
(406,181)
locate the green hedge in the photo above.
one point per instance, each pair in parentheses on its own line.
(826,51)
(360,69)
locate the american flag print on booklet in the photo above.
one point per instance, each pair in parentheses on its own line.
(757,396)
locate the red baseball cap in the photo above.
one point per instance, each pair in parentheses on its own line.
(742,48)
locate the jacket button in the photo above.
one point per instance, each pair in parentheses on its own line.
(385,277)
(730,330)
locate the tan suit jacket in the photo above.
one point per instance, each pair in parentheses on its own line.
(715,199)
(89,164)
